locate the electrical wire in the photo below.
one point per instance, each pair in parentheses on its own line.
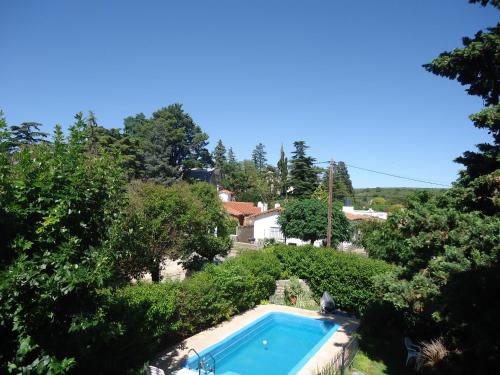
(391,174)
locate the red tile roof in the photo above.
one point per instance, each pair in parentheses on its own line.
(241,208)
(276,209)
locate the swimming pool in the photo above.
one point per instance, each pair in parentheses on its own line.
(275,344)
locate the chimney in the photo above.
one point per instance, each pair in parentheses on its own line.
(262,206)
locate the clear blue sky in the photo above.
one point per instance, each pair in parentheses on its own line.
(345,76)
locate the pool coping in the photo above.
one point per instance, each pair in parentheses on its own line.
(175,357)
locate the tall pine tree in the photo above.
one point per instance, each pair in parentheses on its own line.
(303,174)
(259,157)
(283,172)
(219,155)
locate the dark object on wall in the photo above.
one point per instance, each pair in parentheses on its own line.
(327,304)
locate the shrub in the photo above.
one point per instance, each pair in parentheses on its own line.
(347,277)
(434,353)
(218,292)
(140,318)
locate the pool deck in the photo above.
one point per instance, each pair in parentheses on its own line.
(173,358)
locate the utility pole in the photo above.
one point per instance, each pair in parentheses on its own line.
(330,202)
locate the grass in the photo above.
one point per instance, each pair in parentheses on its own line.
(368,366)
(377,356)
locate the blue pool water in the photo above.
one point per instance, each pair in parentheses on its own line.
(275,344)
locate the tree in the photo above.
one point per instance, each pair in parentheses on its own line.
(219,155)
(259,157)
(303,174)
(477,66)
(184,222)
(126,148)
(448,245)
(135,125)
(28,133)
(172,143)
(55,212)
(342,184)
(231,157)
(283,172)
(307,220)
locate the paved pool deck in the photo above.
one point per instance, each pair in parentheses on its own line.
(173,358)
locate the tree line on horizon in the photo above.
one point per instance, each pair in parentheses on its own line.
(163,147)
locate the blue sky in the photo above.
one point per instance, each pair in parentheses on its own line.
(345,76)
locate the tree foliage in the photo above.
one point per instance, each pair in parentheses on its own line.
(448,246)
(259,157)
(184,222)
(477,66)
(283,172)
(172,143)
(219,155)
(307,220)
(303,174)
(56,206)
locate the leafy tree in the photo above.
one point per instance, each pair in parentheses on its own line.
(57,204)
(303,174)
(283,172)
(172,143)
(259,157)
(211,239)
(307,220)
(135,125)
(219,155)
(183,222)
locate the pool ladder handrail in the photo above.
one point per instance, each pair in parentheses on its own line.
(199,359)
(213,361)
(201,362)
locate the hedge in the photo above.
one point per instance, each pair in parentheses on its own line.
(347,277)
(144,317)
(147,316)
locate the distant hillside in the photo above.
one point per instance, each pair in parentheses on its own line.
(391,195)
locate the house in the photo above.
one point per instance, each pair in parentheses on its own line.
(265,226)
(241,210)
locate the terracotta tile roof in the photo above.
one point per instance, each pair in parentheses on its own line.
(241,208)
(276,209)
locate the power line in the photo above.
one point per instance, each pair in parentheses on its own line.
(391,175)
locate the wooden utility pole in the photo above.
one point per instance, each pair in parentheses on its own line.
(330,202)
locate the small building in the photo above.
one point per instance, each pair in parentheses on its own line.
(226,195)
(266,227)
(210,175)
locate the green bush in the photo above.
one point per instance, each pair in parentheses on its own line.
(347,277)
(143,317)
(218,292)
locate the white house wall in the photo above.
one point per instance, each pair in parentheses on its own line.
(263,230)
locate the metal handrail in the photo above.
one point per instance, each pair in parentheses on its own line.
(213,360)
(199,359)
